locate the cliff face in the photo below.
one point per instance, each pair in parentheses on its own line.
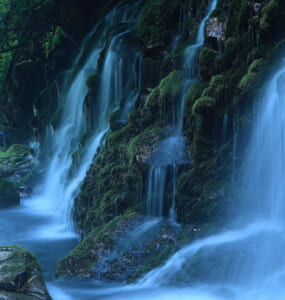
(243,39)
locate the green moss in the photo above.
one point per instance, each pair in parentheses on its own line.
(113,183)
(92,81)
(217,88)
(202,103)
(52,40)
(144,144)
(236,50)
(256,65)
(161,102)
(18,150)
(155,27)
(268,14)
(195,91)
(272,21)
(21,274)
(98,243)
(248,82)
(243,16)
(170,87)
(217,80)
(207,63)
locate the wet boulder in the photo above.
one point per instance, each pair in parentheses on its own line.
(19,165)
(9,195)
(20,275)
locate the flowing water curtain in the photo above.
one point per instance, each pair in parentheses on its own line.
(65,141)
(246,262)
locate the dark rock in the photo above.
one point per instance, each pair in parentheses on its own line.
(9,195)
(20,275)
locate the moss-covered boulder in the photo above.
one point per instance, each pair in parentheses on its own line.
(19,165)
(127,247)
(20,275)
(9,195)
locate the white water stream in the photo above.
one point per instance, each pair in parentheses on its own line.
(118,88)
(248,262)
(173,150)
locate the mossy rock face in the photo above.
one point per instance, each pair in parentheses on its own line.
(18,164)
(162,100)
(9,195)
(20,275)
(272,20)
(19,150)
(142,146)
(256,65)
(202,103)
(207,61)
(248,82)
(155,27)
(126,248)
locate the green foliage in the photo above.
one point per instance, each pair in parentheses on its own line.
(52,40)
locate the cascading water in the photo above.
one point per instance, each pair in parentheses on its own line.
(173,149)
(243,263)
(119,86)
(249,262)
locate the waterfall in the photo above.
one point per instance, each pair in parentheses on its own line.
(117,91)
(189,64)
(248,261)
(175,145)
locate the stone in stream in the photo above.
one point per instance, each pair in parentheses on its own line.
(20,275)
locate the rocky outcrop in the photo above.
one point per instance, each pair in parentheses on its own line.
(18,164)
(216,29)
(20,275)
(126,248)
